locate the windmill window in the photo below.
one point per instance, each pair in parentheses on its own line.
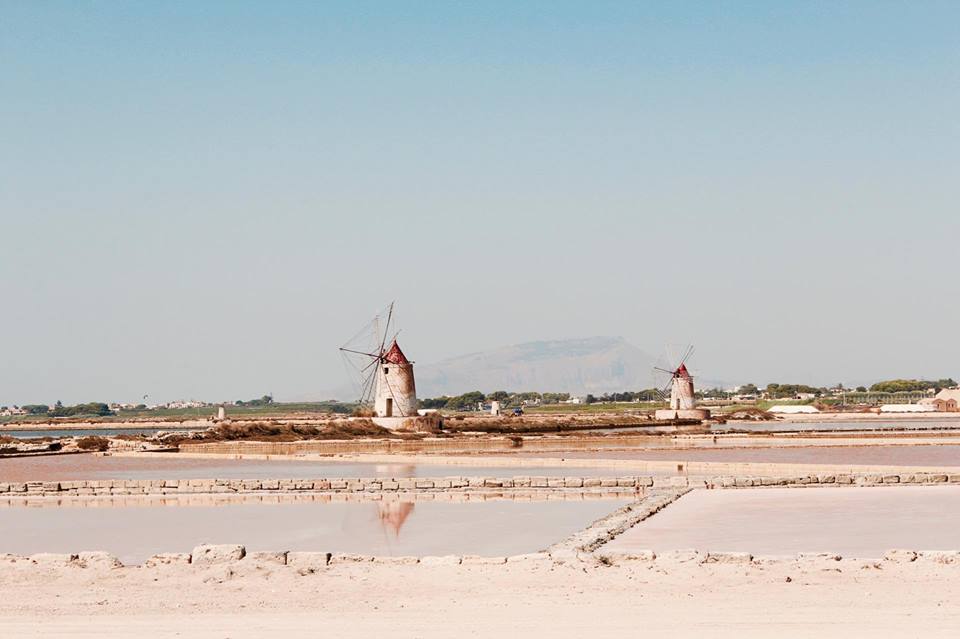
(386,370)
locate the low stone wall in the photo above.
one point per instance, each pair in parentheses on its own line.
(279,497)
(106,487)
(306,563)
(377,484)
(813,560)
(857,479)
(432,444)
(606,528)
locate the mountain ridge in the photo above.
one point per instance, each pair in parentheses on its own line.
(577,366)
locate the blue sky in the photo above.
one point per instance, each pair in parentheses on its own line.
(206,199)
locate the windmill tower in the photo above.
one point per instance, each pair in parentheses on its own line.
(396,393)
(384,377)
(682,396)
(683,400)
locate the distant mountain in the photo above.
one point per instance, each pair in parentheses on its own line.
(576,366)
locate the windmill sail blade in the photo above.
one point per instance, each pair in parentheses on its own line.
(386,330)
(366,398)
(363,351)
(665,392)
(350,350)
(356,367)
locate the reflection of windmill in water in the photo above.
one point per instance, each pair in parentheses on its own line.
(382,374)
(393,514)
(677,388)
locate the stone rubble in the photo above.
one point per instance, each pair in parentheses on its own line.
(226,558)
(217,553)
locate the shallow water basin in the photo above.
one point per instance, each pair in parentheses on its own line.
(854,522)
(135,528)
(172,466)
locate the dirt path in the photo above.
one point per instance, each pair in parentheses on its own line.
(371,600)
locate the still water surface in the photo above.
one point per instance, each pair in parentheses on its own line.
(854,522)
(134,533)
(170,466)
(939,455)
(865,425)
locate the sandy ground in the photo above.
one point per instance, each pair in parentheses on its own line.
(536,600)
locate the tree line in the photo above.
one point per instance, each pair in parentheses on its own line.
(911,385)
(266,400)
(773,390)
(98,409)
(469,401)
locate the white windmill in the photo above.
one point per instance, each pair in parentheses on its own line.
(381,372)
(678,390)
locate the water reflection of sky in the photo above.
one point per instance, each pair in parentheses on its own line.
(67,467)
(396,528)
(939,455)
(854,522)
(912,424)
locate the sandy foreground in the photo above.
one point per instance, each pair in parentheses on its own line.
(537,599)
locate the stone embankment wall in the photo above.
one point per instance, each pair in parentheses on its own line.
(441,484)
(368,485)
(426,445)
(307,563)
(606,528)
(276,497)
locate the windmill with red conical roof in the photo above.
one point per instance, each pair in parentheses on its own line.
(679,390)
(396,394)
(384,374)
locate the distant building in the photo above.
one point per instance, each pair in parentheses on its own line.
(185,404)
(946,401)
(793,409)
(907,408)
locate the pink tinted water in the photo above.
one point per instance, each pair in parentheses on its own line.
(854,522)
(887,455)
(67,467)
(134,533)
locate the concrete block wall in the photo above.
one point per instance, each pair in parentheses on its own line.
(427,445)
(534,485)
(109,487)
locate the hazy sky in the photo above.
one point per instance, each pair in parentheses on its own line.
(203,199)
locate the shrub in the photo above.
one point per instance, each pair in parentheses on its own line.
(93,442)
